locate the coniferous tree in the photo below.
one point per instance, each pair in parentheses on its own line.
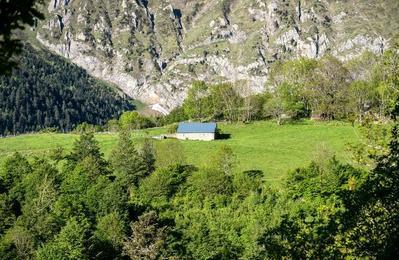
(68,244)
(30,100)
(110,229)
(147,152)
(86,147)
(126,161)
(147,240)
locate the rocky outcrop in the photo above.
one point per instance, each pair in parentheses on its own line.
(153,51)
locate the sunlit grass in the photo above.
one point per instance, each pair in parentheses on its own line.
(261,145)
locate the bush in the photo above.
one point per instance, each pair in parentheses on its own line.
(87,128)
(172,129)
(132,120)
(49,130)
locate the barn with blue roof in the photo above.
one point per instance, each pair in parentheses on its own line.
(196,131)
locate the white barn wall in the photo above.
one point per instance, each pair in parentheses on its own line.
(196,136)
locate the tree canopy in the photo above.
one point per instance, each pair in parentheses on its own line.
(80,206)
(15,16)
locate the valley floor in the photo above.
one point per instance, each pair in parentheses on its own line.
(259,146)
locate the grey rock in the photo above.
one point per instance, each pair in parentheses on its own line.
(153,51)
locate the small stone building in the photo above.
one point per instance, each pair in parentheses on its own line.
(196,131)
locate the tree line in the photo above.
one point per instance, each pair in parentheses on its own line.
(325,89)
(361,90)
(45,91)
(147,202)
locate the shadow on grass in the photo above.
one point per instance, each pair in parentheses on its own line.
(297,121)
(223,136)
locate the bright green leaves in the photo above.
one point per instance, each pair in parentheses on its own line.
(68,244)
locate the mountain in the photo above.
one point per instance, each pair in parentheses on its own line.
(48,91)
(153,50)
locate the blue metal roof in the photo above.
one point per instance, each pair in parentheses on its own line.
(185,128)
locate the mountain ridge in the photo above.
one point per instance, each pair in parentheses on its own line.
(153,50)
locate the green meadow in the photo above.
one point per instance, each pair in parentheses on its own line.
(259,146)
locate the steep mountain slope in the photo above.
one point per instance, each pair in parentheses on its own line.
(47,91)
(153,50)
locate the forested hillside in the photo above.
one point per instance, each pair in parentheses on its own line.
(47,91)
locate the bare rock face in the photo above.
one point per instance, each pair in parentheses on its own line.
(153,50)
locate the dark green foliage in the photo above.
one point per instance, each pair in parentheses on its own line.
(147,153)
(375,229)
(14,170)
(247,182)
(148,238)
(128,165)
(321,179)
(156,190)
(68,244)
(110,235)
(86,148)
(7,216)
(316,202)
(49,211)
(12,174)
(15,16)
(210,183)
(46,91)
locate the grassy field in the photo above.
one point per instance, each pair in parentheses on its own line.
(260,145)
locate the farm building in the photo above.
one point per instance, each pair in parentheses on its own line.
(196,131)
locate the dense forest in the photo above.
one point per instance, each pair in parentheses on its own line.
(147,203)
(45,91)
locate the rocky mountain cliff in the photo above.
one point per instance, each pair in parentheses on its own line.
(153,50)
